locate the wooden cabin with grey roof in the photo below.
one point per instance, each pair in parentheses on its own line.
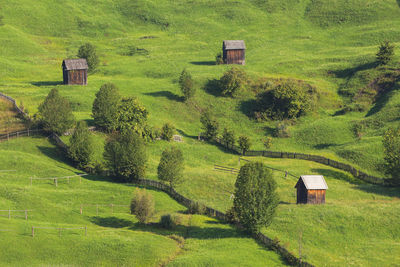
(75,71)
(311,189)
(234,52)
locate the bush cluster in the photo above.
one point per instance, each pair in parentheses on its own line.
(142,205)
(88,51)
(167,131)
(232,82)
(288,99)
(170,221)
(197,208)
(210,125)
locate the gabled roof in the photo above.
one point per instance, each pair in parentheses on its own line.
(75,64)
(313,182)
(234,44)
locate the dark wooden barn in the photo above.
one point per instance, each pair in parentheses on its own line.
(234,52)
(75,71)
(311,189)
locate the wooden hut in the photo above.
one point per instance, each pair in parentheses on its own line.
(311,189)
(75,71)
(234,52)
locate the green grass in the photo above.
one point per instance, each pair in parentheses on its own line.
(112,238)
(330,44)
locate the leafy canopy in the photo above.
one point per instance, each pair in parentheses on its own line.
(186,85)
(171,166)
(142,205)
(228,138)
(56,113)
(232,82)
(132,115)
(167,131)
(209,125)
(244,143)
(256,198)
(88,51)
(81,148)
(385,53)
(125,155)
(105,107)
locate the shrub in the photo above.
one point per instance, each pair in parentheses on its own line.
(167,131)
(268,143)
(289,99)
(186,85)
(105,107)
(232,82)
(256,198)
(132,115)
(232,216)
(170,221)
(197,208)
(244,144)
(142,205)
(219,60)
(385,53)
(88,51)
(228,138)
(56,113)
(282,130)
(125,155)
(81,148)
(210,125)
(171,166)
(391,143)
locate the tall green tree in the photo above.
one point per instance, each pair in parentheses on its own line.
(244,143)
(186,85)
(132,115)
(56,113)
(233,81)
(228,138)
(88,51)
(125,155)
(81,148)
(256,198)
(171,166)
(105,107)
(209,125)
(391,144)
(385,53)
(167,131)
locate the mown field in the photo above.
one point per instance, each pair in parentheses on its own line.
(112,238)
(329,44)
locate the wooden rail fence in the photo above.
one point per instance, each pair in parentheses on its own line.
(27,132)
(55,179)
(10,213)
(59,229)
(319,159)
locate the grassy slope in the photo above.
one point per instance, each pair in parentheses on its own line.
(357,226)
(9,119)
(113,239)
(326,43)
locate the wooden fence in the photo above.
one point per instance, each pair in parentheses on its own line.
(112,206)
(55,179)
(10,213)
(319,159)
(28,132)
(12,100)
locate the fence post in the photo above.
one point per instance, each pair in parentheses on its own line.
(26,215)
(17,134)
(8,137)
(55,180)
(28,131)
(33,231)
(81,209)
(85,230)
(9,214)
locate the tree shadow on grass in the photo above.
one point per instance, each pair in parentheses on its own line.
(55,153)
(181,132)
(212,87)
(112,222)
(338,175)
(350,72)
(379,104)
(248,107)
(166,94)
(47,83)
(203,63)
(379,190)
(324,146)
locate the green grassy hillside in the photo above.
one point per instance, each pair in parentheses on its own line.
(112,238)
(330,44)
